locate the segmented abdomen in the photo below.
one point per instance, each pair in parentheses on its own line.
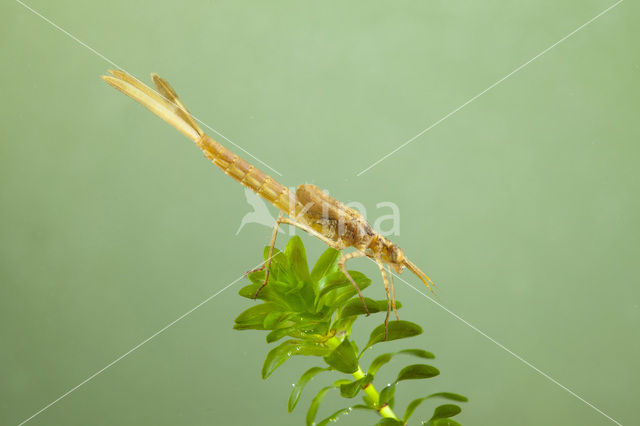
(248,175)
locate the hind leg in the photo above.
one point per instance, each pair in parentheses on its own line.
(341,263)
(386,289)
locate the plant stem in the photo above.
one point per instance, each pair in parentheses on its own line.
(369,389)
(373,394)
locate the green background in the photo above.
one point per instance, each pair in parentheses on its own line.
(523,206)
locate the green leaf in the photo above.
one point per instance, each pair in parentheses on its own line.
(362,407)
(302,382)
(279,263)
(417,371)
(279,333)
(272,319)
(387,421)
(449,395)
(253,318)
(297,256)
(379,361)
(416,402)
(442,422)
(334,417)
(343,325)
(327,263)
(337,280)
(341,288)
(396,330)
(296,297)
(269,293)
(420,353)
(343,358)
(385,358)
(386,394)
(350,390)
(355,307)
(278,355)
(446,411)
(315,402)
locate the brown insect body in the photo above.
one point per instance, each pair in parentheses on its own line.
(346,226)
(310,208)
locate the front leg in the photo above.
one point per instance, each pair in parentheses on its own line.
(341,263)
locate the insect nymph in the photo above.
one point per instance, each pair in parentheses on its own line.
(309,209)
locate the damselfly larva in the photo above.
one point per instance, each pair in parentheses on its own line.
(309,209)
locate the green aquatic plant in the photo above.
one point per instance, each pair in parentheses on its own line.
(315,311)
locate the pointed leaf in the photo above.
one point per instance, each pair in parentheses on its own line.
(253,317)
(350,390)
(272,319)
(279,333)
(420,353)
(296,296)
(362,407)
(277,356)
(396,330)
(379,361)
(446,411)
(279,261)
(297,258)
(385,358)
(442,422)
(334,417)
(386,394)
(337,280)
(343,325)
(449,395)
(268,293)
(302,382)
(417,371)
(343,358)
(355,307)
(340,296)
(327,263)
(315,402)
(416,402)
(286,350)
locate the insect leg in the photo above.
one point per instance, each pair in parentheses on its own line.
(341,263)
(386,289)
(393,294)
(267,263)
(297,224)
(328,241)
(336,245)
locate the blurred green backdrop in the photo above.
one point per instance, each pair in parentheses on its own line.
(523,206)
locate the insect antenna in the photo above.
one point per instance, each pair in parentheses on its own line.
(423,277)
